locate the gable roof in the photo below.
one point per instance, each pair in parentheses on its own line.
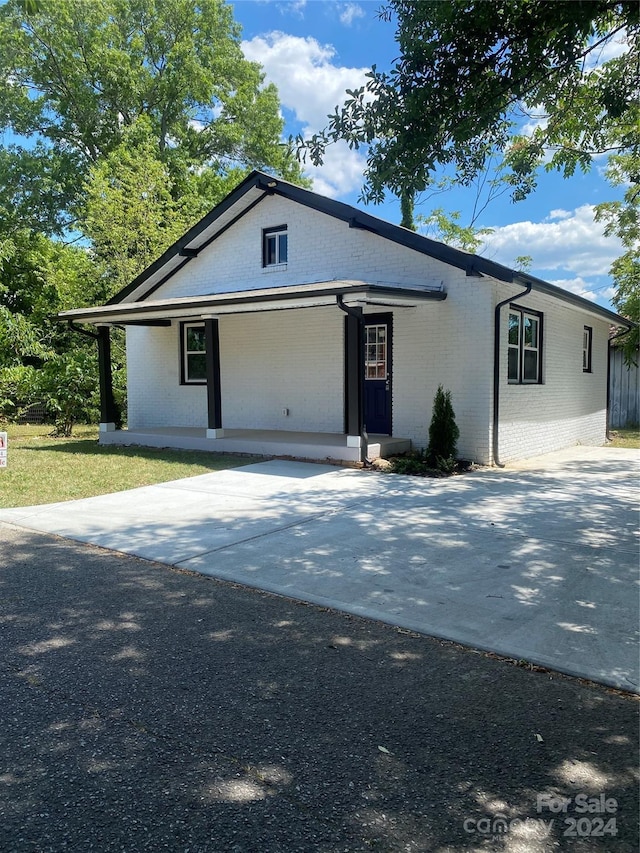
(258,186)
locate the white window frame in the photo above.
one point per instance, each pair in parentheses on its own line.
(276,233)
(185,353)
(522,348)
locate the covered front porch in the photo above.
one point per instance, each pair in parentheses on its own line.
(307,353)
(258,442)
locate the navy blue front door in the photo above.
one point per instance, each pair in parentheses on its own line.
(377,374)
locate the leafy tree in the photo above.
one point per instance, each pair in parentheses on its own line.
(469,69)
(622,218)
(130,214)
(132,119)
(68,386)
(38,278)
(446,227)
(407,206)
(75,74)
(135,207)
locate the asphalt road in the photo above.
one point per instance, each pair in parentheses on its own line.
(148,709)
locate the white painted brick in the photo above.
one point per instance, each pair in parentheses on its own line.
(294,359)
(569,408)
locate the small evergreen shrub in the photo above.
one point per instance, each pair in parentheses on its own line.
(443,433)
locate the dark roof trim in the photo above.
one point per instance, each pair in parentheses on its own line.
(473,265)
(251,181)
(232,222)
(246,297)
(541,286)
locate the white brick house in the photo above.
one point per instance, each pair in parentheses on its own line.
(288,323)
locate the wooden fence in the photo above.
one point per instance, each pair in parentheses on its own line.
(624,391)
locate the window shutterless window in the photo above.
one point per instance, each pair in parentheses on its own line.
(587,344)
(193,355)
(524,347)
(274,246)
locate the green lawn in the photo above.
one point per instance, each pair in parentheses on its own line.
(625,438)
(41,469)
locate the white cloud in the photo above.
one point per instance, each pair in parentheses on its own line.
(295,8)
(611,49)
(350,12)
(303,70)
(311,86)
(341,172)
(573,244)
(559,213)
(584,288)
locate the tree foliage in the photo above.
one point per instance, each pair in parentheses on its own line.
(443,432)
(622,218)
(446,227)
(38,278)
(128,120)
(469,70)
(76,74)
(470,73)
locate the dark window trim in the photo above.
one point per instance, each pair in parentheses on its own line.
(588,367)
(266,232)
(519,309)
(183,354)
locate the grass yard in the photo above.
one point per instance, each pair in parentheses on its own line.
(625,438)
(42,469)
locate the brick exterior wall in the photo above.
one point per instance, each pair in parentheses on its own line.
(293,359)
(570,406)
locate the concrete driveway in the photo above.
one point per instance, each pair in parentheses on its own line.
(538,562)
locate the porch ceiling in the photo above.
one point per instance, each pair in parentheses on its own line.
(318,294)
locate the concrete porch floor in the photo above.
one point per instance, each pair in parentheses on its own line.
(302,445)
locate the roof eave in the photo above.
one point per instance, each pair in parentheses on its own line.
(280,299)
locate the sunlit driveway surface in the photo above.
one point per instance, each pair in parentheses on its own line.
(538,563)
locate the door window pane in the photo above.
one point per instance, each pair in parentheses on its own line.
(375,352)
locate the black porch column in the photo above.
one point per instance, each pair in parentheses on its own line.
(214,392)
(109,415)
(354,373)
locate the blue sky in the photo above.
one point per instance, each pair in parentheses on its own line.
(313,50)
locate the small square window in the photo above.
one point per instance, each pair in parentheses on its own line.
(275,248)
(587,346)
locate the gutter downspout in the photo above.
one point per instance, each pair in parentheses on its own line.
(496,371)
(364,438)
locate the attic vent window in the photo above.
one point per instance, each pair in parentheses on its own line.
(274,246)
